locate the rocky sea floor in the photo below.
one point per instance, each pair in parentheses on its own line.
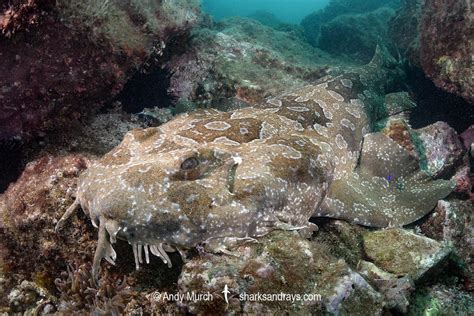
(121,67)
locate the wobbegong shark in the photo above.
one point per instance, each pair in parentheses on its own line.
(221,178)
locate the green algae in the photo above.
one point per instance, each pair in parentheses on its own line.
(440,300)
(420,149)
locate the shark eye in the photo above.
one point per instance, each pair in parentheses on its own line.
(190,163)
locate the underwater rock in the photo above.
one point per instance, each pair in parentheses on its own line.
(437,36)
(400,131)
(467,138)
(312,23)
(342,239)
(396,290)
(31,299)
(447,45)
(3,284)
(444,155)
(280,262)
(401,252)
(31,207)
(269,19)
(102,132)
(239,61)
(443,150)
(441,300)
(453,222)
(355,36)
(404,30)
(62,60)
(266,18)
(436,146)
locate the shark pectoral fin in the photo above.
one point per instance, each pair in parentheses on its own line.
(375,202)
(386,189)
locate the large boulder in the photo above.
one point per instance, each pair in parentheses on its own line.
(60,60)
(356,35)
(402,253)
(312,23)
(447,45)
(437,36)
(453,222)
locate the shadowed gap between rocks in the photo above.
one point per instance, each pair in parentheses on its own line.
(11,164)
(149,86)
(435,105)
(146,90)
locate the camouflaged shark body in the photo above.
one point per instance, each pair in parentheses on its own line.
(221,177)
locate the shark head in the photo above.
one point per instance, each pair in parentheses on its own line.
(200,177)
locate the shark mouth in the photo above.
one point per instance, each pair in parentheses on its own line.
(108,231)
(156,250)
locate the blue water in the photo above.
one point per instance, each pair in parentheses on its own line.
(290,11)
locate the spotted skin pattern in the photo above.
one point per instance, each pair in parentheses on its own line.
(220,178)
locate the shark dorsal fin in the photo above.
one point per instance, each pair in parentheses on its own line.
(382,57)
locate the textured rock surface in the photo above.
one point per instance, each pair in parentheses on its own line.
(438,148)
(467,137)
(404,30)
(356,35)
(281,262)
(30,297)
(342,239)
(61,60)
(441,300)
(396,290)
(437,36)
(401,252)
(447,45)
(453,222)
(101,133)
(240,61)
(29,211)
(313,22)
(443,150)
